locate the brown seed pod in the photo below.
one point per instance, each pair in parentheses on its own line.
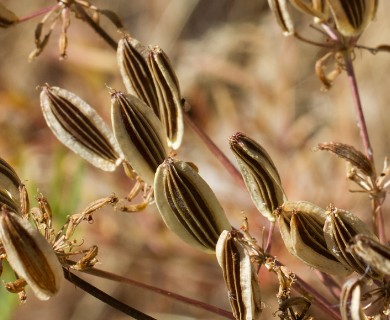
(260,174)
(301,225)
(7,17)
(139,133)
(30,255)
(240,277)
(80,128)
(9,180)
(280,10)
(188,206)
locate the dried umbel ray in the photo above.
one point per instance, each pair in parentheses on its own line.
(339,229)
(78,126)
(239,275)
(188,206)
(139,133)
(30,255)
(260,174)
(301,225)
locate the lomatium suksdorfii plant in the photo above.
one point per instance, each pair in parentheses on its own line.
(147,131)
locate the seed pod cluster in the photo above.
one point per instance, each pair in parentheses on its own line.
(139,133)
(148,74)
(30,255)
(188,206)
(240,277)
(77,125)
(260,174)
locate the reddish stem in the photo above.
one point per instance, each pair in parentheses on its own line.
(37,13)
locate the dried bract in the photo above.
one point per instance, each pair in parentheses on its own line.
(30,255)
(7,17)
(133,66)
(374,254)
(168,90)
(339,229)
(188,205)
(260,174)
(352,16)
(350,154)
(301,226)
(240,277)
(77,125)
(139,133)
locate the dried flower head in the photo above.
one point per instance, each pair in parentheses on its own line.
(188,205)
(30,255)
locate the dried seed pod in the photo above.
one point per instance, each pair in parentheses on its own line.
(316,8)
(80,128)
(260,174)
(168,90)
(352,16)
(350,154)
(188,205)
(350,301)
(339,229)
(7,17)
(139,133)
(282,15)
(374,254)
(136,75)
(240,277)
(9,180)
(301,225)
(30,255)
(9,203)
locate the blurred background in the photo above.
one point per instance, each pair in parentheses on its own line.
(239,74)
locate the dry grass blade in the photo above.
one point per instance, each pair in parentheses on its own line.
(240,277)
(260,174)
(188,205)
(139,133)
(350,154)
(133,66)
(168,89)
(301,226)
(30,255)
(80,128)
(7,17)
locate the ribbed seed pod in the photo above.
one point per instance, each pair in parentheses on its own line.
(260,174)
(339,229)
(316,8)
(132,60)
(9,180)
(9,202)
(374,254)
(168,90)
(139,133)
(282,15)
(352,16)
(77,125)
(240,277)
(350,301)
(188,206)
(30,255)
(350,154)
(301,225)
(7,17)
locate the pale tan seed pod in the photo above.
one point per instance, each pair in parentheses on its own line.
(168,90)
(339,229)
(350,301)
(188,206)
(316,8)
(350,154)
(30,255)
(139,133)
(9,180)
(9,202)
(374,254)
(260,174)
(280,10)
(132,61)
(352,16)
(301,225)
(77,125)
(7,17)
(240,277)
